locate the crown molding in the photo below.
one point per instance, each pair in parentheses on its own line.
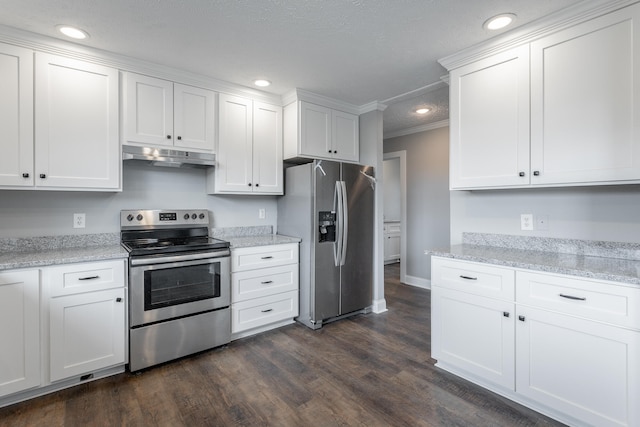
(542,27)
(40,43)
(304,95)
(417,129)
(372,106)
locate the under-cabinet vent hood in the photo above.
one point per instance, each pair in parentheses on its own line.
(168,158)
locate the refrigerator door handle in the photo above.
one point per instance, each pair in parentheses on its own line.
(337,204)
(345,223)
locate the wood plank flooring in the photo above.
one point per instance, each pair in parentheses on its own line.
(368,370)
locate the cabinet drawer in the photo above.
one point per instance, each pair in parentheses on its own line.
(263,256)
(263,282)
(475,278)
(258,312)
(591,299)
(392,227)
(77,278)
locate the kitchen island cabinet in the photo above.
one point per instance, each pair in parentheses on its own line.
(563,345)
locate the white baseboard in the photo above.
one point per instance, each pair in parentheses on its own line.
(379,306)
(418,282)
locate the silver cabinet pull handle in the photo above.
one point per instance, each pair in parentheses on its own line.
(89,278)
(573,297)
(267,282)
(468,277)
(267,310)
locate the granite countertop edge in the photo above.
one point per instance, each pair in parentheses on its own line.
(622,271)
(48,257)
(259,240)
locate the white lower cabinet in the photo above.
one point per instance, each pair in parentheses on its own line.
(264,288)
(19,331)
(564,345)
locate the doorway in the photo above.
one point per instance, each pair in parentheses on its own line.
(395,208)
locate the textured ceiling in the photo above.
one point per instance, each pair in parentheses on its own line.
(358,51)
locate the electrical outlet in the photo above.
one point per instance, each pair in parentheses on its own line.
(262,214)
(78,220)
(526,222)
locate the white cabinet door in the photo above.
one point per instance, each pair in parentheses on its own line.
(16,116)
(267,149)
(391,247)
(234,167)
(490,122)
(474,334)
(586,369)
(76,124)
(194,117)
(87,332)
(19,331)
(315,131)
(585,104)
(345,136)
(147,110)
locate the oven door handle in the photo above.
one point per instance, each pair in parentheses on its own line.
(178,258)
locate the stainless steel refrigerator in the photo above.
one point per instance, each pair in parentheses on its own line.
(330,206)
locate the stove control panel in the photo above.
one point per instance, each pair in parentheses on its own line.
(132,219)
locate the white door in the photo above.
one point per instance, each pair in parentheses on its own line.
(147,110)
(267,149)
(490,122)
(234,170)
(16,116)
(194,118)
(345,136)
(19,331)
(585,104)
(585,369)
(87,332)
(76,124)
(474,334)
(315,131)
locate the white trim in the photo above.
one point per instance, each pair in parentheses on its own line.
(417,129)
(304,95)
(413,93)
(372,106)
(402,155)
(542,27)
(379,306)
(418,282)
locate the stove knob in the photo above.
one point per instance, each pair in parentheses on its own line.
(129,217)
(201,216)
(139,217)
(194,216)
(186,216)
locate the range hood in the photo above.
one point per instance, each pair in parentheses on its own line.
(167,157)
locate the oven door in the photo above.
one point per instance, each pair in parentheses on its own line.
(166,287)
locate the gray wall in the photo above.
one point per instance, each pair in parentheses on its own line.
(610,213)
(46,213)
(427,195)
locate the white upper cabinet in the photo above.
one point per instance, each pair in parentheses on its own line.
(249,152)
(317,132)
(585,103)
(158,112)
(490,121)
(583,123)
(16,116)
(76,124)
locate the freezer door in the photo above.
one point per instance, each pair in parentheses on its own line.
(326,275)
(357,273)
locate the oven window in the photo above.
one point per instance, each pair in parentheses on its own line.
(179,285)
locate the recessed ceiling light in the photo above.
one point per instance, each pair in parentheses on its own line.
(262,83)
(422,110)
(499,21)
(74,33)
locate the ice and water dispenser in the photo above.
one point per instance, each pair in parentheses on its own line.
(327,226)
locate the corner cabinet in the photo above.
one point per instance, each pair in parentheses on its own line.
(562,110)
(249,152)
(157,112)
(563,345)
(264,288)
(19,330)
(317,132)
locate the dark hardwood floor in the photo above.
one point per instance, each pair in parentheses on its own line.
(368,370)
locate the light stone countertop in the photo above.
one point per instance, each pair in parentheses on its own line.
(624,271)
(259,240)
(66,255)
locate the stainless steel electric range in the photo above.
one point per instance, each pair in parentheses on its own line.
(179,285)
